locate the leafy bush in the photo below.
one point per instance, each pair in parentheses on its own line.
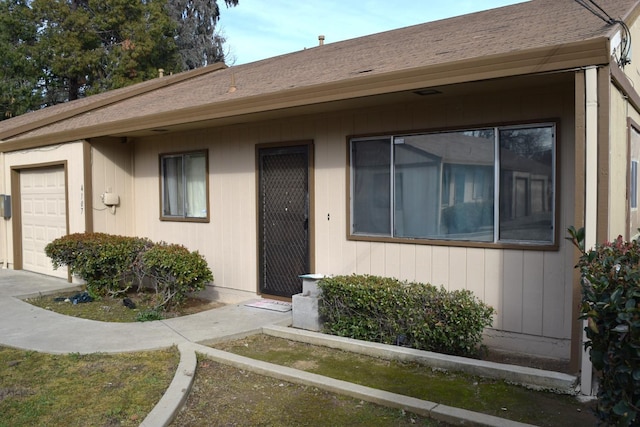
(174,272)
(104,261)
(611,305)
(112,265)
(415,315)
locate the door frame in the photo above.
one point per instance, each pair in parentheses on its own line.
(16,204)
(311,191)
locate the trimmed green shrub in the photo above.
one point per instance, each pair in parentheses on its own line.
(415,315)
(112,265)
(174,272)
(611,305)
(104,261)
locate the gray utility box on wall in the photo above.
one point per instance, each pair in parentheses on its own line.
(5,206)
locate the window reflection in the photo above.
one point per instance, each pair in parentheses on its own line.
(444,185)
(526,178)
(455,169)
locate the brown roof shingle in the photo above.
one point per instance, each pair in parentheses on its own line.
(498,32)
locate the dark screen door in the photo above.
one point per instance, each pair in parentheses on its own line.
(283,219)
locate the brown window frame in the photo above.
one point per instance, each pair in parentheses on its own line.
(496,243)
(184,217)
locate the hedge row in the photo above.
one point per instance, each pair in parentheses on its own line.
(415,315)
(112,265)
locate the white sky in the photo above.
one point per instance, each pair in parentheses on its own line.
(259,29)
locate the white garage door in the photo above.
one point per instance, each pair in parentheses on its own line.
(44,217)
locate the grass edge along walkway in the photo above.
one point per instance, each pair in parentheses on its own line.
(421,407)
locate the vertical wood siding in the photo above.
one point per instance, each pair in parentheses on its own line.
(531,290)
(112,170)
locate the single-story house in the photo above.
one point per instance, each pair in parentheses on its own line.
(455,152)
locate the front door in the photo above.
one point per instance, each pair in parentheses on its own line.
(283,233)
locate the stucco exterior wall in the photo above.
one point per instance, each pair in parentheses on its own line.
(531,289)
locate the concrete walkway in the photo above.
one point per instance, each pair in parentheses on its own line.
(31,328)
(25,326)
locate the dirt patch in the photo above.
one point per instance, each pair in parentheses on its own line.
(227,396)
(108,309)
(7,392)
(305,365)
(196,305)
(546,364)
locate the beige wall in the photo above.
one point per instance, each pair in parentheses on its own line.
(619,161)
(632,70)
(530,289)
(618,164)
(112,171)
(229,241)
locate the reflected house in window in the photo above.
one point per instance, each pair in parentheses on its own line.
(460,181)
(445,185)
(526,184)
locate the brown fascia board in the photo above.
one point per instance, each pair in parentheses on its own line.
(134,90)
(632,15)
(621,81)
(534,61)
(618,77)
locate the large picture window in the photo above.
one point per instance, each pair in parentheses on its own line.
(184,186)
(483,185)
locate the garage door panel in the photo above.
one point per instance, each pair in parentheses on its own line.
(40,234)
(27,234)
(51,208)
(52,234)
(43,214)
(27,207)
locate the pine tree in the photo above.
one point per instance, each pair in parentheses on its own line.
(19,71)
(53,51)
(92,46)
(198,41)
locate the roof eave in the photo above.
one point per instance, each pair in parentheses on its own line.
(118,96)
(548,59)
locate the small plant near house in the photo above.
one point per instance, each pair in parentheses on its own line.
(115,265)
(149,315)
(415,315)
(174,272)
(611,305)
(104,261)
